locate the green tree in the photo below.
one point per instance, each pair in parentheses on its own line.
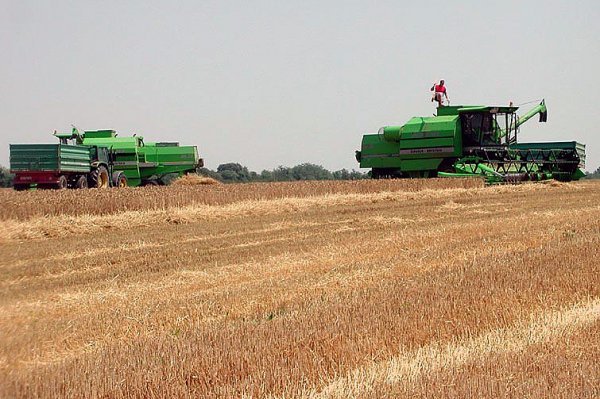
(229,176)
(595,175)
(209,173)
(358,175)
(309,171)
(342,174)
(234,172)
(266,175)
(6,178)
(282,173)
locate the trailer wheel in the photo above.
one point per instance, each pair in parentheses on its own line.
(99,178)
(21,187)
(119,180)
(81,182)
(63,183)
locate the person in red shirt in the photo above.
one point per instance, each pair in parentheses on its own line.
(439,92)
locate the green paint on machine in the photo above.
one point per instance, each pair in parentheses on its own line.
(99,159)
(473,141)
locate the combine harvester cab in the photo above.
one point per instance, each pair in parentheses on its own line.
(99,159)
(470,141)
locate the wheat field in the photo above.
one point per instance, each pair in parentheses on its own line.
(366,289)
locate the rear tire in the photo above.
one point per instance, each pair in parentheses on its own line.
(81,183)
(119,179)
(63,183)
(99,178)
(21,187)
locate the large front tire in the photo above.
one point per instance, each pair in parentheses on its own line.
(99,178)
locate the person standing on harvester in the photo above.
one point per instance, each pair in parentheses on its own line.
(439,92)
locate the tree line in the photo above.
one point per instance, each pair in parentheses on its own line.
(595,175)
(236,173)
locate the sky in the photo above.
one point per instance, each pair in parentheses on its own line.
(269,83)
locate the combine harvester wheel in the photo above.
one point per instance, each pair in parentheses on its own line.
(81,182)
(63,183)
(119,180)
(99,178)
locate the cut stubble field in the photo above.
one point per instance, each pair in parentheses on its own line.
(368,289)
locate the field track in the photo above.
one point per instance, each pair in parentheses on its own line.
(369,289)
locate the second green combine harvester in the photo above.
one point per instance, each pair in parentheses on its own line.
(99,159)
(463,141)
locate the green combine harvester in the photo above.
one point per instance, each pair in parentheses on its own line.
(99,159)
(470,141)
